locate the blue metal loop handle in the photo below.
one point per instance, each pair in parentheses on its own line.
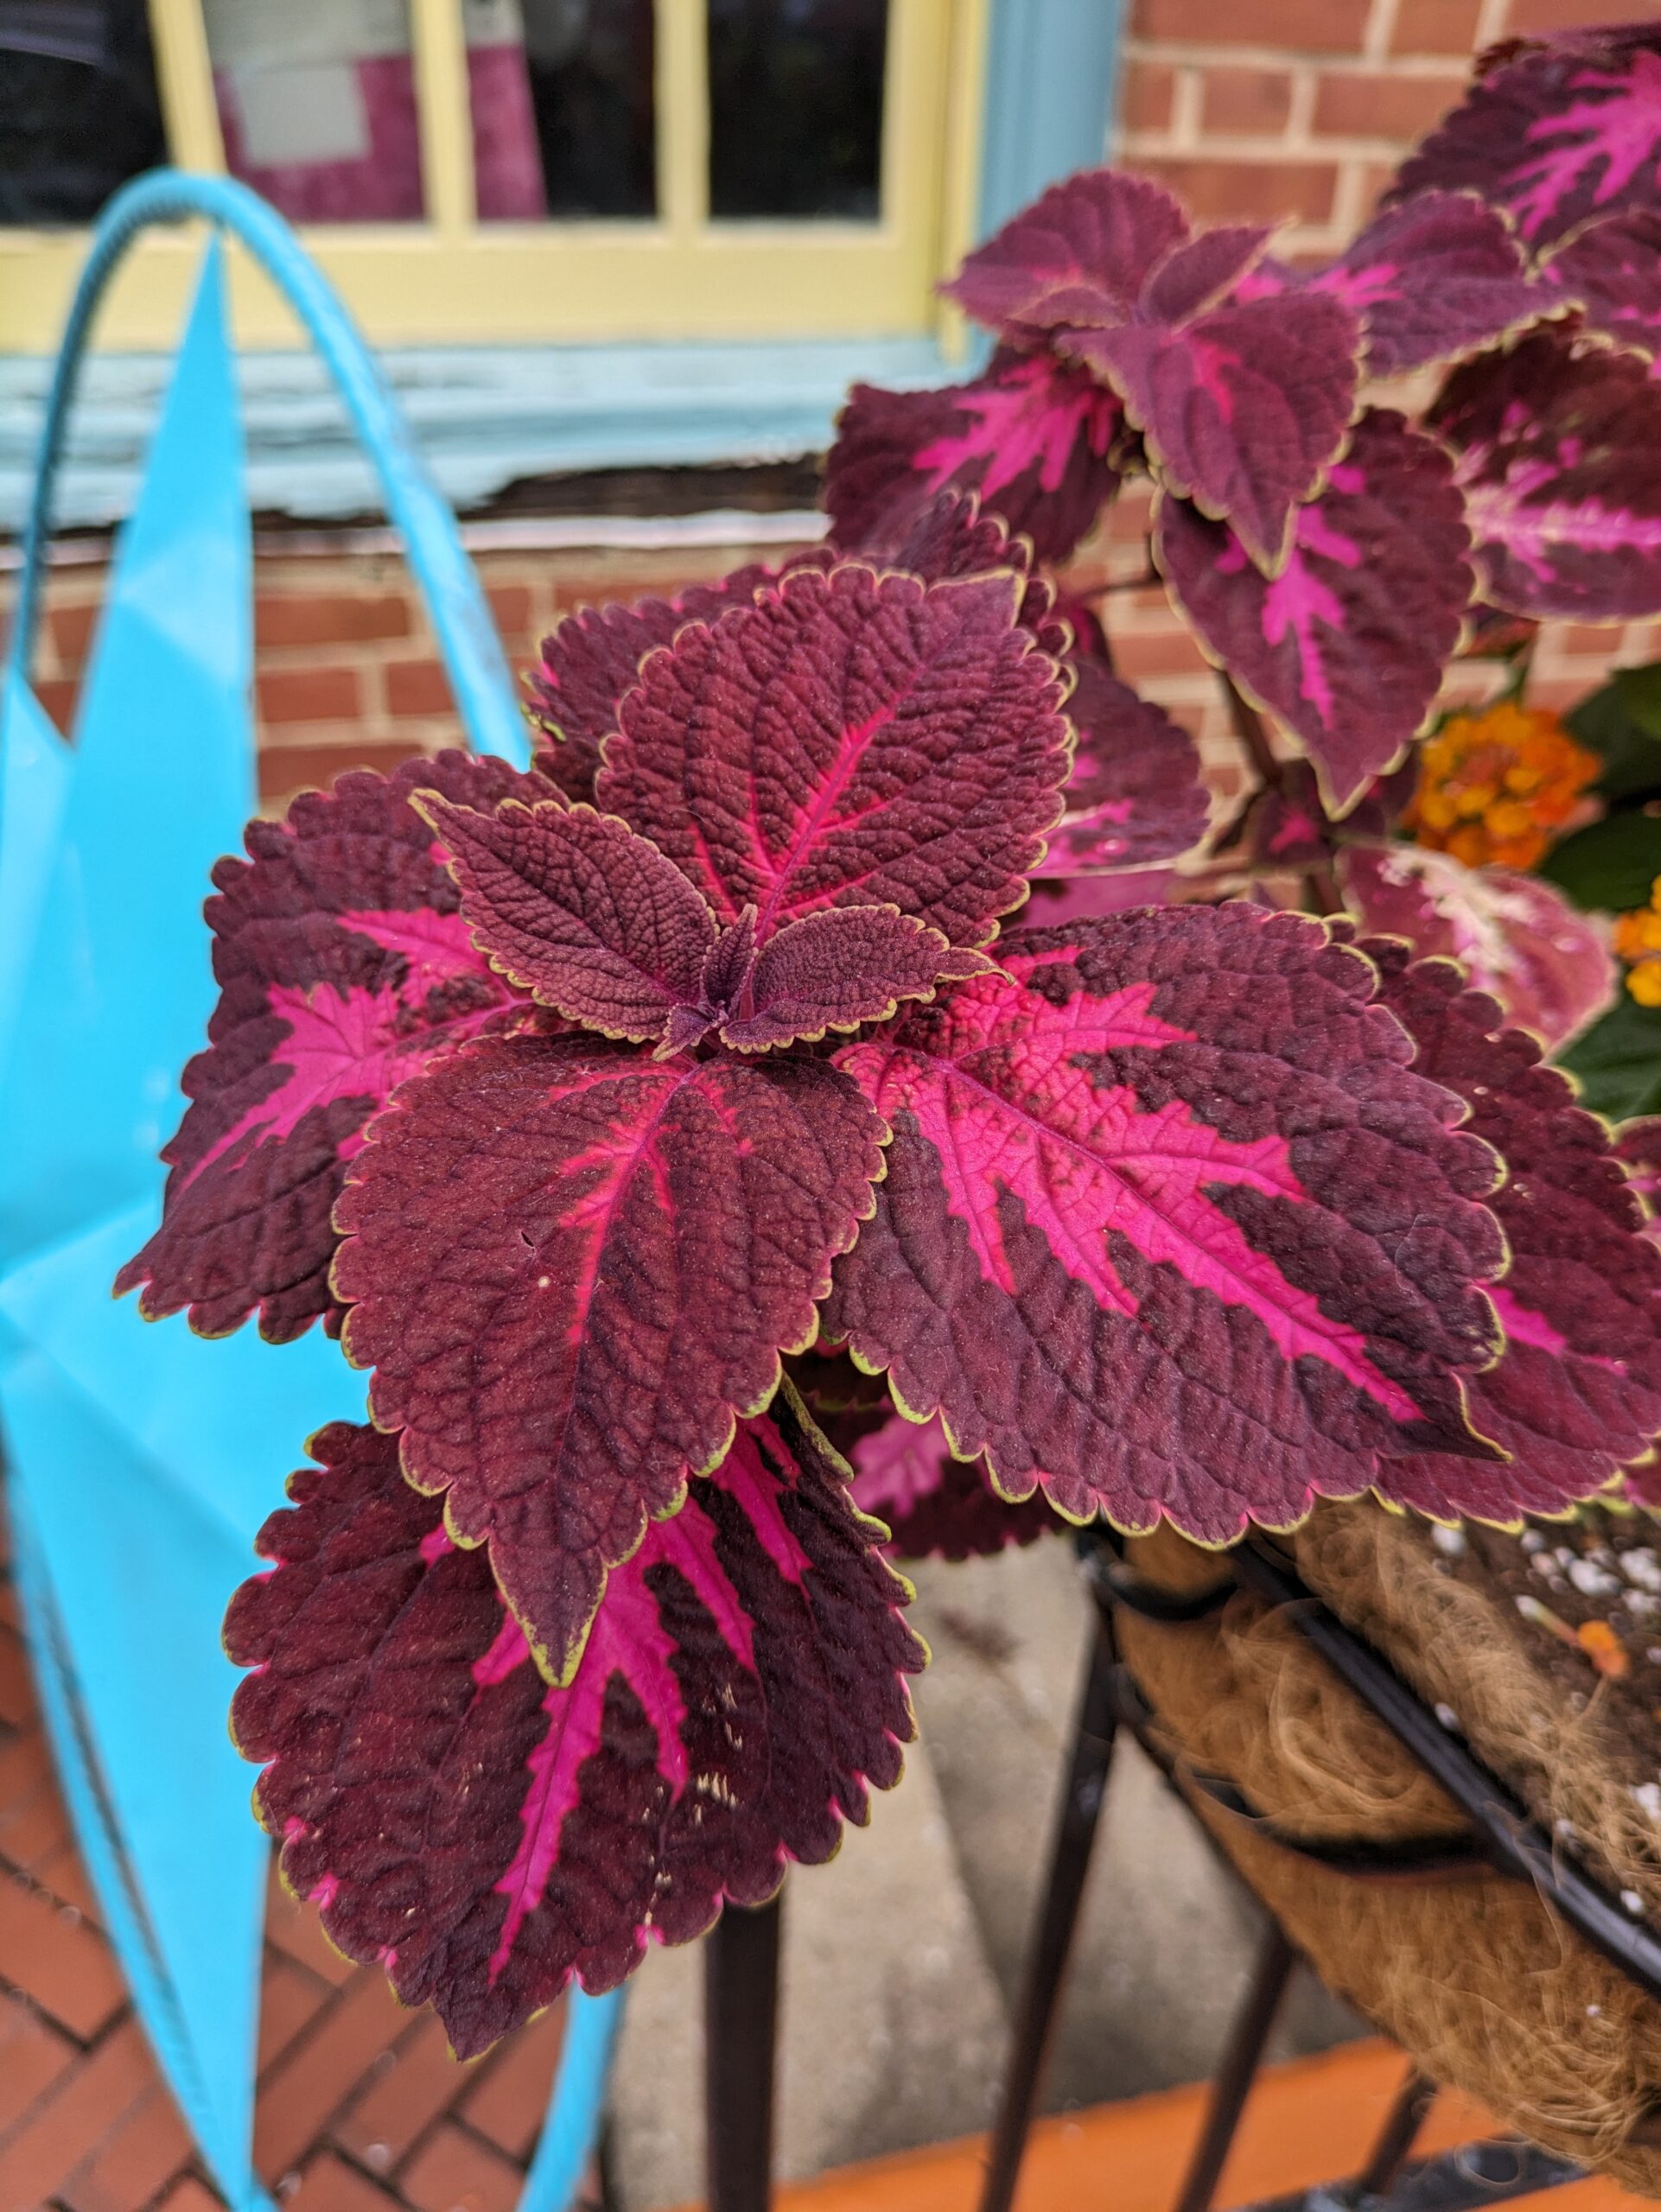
(483,689)
(478,671)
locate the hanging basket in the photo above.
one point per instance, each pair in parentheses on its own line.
(1373,1870)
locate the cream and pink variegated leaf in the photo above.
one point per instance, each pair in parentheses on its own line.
(1547,965)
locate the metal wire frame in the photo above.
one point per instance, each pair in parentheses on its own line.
(1503,1839)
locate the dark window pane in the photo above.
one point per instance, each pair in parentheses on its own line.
(796,107)
(79,113)
(564,113)
(317,103)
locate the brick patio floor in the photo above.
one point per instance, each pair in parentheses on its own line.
(360,2106)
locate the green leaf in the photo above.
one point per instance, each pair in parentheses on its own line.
(1618,1061)
(1609,866)
(1622,724)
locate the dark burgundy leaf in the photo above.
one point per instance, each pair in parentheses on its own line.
(1169,1224)
(1033,436)
(484,1837)
(1081,253)
(937,1507)
(1135,795)
(1345,646)
(837,970)
(853,739)
(1241,409)
(1564,133)
(574,1267)
(1558,449)
(1515,935)
(593,657)
(573,907)
(1431,279)
(343,966)
(948,535)
(1611,272)
(1578,1391)
(1197,274)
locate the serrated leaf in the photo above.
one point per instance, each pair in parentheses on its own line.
(934,1506)
(1135,795)
(1621,724)
(1611,271)
(852,740)
(1617,1063)
(593,657)
(1430,279)
(1558,454)
(343,966)
(1566,131)
(484,1837)
(949,535)
(1032,436)
(1577,1391)
(1198,272)
(1082,252)
(1610,865)
(1242,408)
(1169,1226)
(1516,937)
(837,970)
(1346,646)
(573,1266)
(574,908)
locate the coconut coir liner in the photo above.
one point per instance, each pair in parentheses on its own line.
(1473,1975)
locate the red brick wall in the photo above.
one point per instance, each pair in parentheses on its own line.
(1300,108)
(348,674)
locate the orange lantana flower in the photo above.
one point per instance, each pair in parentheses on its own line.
(1638,939)
(1495,786)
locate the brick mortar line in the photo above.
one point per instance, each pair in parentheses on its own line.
(1279,60)
(1265,149)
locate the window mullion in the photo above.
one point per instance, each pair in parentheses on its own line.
(970,31)
(683,100)
(445,110)
(184,76)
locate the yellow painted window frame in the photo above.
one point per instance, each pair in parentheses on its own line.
(451,280)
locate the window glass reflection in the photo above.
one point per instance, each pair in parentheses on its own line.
(564,113)
(79,111)
(796,107)
(317,104)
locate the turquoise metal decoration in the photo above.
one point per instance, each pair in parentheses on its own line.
(141,1460)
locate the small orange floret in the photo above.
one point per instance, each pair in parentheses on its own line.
(1604,1648)
(1637,938)
(1494,786)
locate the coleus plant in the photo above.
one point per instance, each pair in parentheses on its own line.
(658,1120)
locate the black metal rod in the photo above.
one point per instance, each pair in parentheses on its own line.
(1518,1846)
(1078,1817)
(1394,2143)
(1242,2056)
(740,2015)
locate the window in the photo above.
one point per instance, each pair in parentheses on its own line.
(470,171)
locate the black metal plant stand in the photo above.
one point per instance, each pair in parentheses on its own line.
(1503,1839)
(743,1953)
(741,2018)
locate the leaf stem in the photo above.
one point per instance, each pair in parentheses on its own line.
(1248,728)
